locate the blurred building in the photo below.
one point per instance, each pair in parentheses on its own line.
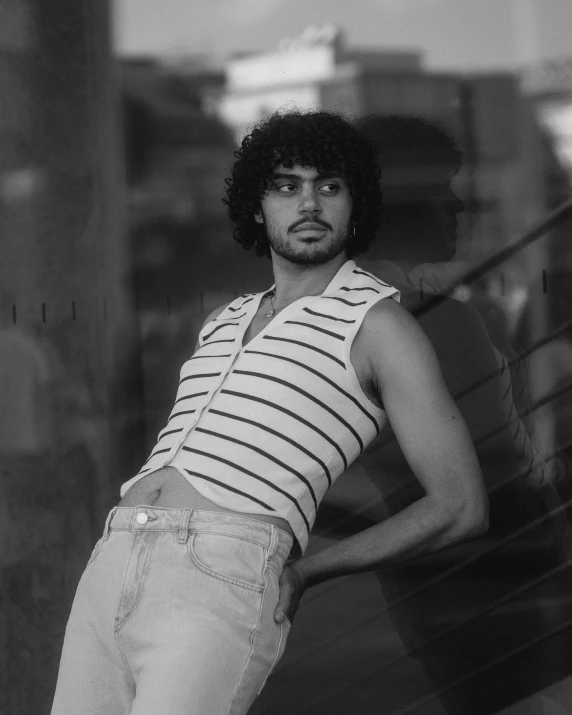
(177,158)
(487,113)
(550,86)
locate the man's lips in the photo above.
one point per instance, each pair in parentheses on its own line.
(309,227)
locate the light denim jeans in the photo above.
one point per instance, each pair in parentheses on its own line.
(174,615)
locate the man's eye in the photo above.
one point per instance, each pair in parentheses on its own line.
(285,188)
(330,188)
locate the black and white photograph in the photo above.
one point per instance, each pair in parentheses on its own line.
(285,357)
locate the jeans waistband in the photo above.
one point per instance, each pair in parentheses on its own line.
(185,521)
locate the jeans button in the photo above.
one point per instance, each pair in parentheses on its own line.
(142,518)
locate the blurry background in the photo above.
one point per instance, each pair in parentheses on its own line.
(118,123)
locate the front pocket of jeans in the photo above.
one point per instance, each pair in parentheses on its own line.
(229,558)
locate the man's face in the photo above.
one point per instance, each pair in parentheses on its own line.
(306,214)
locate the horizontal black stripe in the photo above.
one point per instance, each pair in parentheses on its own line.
(262,401)
(280,436)
(304,345)
(201,357)
(323,377)
(264,454)
(159,451)
(310,397)
(234,317)
(343,300)
(366,288)
(230,489)
(172,431)
(202,374)
(248,299)
(178,414)
(330,317)
(213,342)
(189,397)
(315,327)
(250,474)
(369,275)
(218,327)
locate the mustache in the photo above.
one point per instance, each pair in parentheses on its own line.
(317,221)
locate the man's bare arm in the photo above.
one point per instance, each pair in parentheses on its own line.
(436,443)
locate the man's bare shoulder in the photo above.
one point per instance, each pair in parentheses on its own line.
(389,338)
(388,318)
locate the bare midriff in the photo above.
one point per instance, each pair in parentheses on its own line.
(167,487)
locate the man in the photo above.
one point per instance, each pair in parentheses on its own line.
(186,603)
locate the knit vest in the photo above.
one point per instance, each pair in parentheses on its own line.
(268,428)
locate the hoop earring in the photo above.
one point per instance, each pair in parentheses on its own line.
(354,231)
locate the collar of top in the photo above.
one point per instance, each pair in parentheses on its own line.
(339,280)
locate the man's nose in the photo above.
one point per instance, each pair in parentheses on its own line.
(309,202)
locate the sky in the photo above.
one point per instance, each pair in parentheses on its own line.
(451,34)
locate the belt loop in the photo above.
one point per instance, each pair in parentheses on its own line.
(107,526)
(274,538)
(184,526)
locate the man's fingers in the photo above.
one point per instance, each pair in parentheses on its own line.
(284,600)
(283,603)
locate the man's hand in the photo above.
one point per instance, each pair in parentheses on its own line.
(292,587)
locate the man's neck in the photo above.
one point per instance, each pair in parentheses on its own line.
(295,281)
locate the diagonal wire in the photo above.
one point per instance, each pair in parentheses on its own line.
(491,376)
(518,358)
(456,627)
(442,576)
(492,490)
(555,217)
(477,671)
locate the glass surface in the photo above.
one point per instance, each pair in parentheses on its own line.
(117,129)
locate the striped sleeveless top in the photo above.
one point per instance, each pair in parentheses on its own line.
(267,428)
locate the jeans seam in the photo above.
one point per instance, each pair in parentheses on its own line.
(252,644)
(230,536)
(220,577)
(117,637)
(120,625)
(271,566)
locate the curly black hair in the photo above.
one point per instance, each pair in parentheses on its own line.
(326,141)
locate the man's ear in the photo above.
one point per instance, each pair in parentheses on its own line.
(258,217)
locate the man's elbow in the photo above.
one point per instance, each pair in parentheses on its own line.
(466,515)
(472,517)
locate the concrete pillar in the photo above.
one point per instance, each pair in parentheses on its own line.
(64,317)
